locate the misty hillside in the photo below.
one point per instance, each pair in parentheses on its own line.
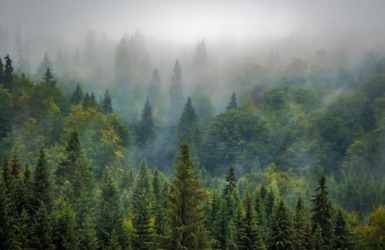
(202,125)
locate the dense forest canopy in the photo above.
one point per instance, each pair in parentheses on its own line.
(133,142)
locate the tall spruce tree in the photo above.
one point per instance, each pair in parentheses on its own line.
(282,235)
(127,180)
(366,118)
(141,223)
(8,74)
(143,184)
(269,203)
(187,128)
(14,164)
(154,88)
(145,131)
(299,224)
(263,192)
(77,95)
(233,103)
(86,101)
(223,226)
(213,212)
(44,65)
(41,236)
(247,235)
(176,95)
(156,185)
(308,238)
(319,243)
(87,235)
(113,243)
(6,227)
(63,232)
(321,213)
(341,235)
(6,175)
(22,238)
(231,180)
(47,77)
(106,104)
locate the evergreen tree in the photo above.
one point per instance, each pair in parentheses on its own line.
(14,165)
(86,101)
(113,244)
(185,216)
(367,119)
(223,226)
(282,235)
(321,213)
(23,232)
(230,178)
(263,192)
(87,235)
(109,211)
(6,174)
(247,234)
(212,216)
(260,213)
(6,227)
(77,95)
(233,103)
(41,238)
(308,238)
(142,237)
(64,229)
(188,126)
(41,185)
(176,95)
(106,104)
(122,64)
(269,203)
(143,184)
(154,88)
(8,74)
(44,65)
(319,243)
(341,235)
(156,185)
(47,77)
(145,131)
(299,224)
(127,180)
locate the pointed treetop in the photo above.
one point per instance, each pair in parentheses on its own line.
(230,178)
(47,77)
(233,102)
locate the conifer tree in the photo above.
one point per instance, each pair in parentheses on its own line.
(160,219)
(163,195)
(109,211)
(247,234)
(6,227)
(185,216)
(308,238)
(154,89)
(87,235)
(47,77)
(127,180)
(319,243)
(282,235)
(27,175)
(8,74)
(176,95)
(86,101)
(41,185)
(145,131)
(260,213)
(14,165)
(20,196)
(156,185)
(6,174)
(113,243)
(44,65)
(212,216)
(41,236)
(341,235)
(106,104)
(223,226)
(321,213)
(299,224)
(187,128)
(269,203)
(366,118)
(77,95)
(233,103)
(263,192)
(64,229)
(143,184)
(230,178)
(142,237)
(23,232)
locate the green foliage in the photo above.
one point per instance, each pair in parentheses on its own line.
(41,238)
(23,232)
(44,65)
(230,178)
(145,130)
(176,94)
(341,235)
(48,77)
(87,235)
(63,231)
(6,227)
(143,184)
(367,119)
(154,88)
(187,127)
(8,74)
(114,243)
(299,225)
(319,243)
(77,95)
(143,231)
(269,202)
(233,102)
(107,104)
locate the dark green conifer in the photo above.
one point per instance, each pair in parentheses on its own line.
(367,119)
(212,216)
(233,103)
(232,182)
(87,235)
(106,104)
(77,95)
(160,219)
(145,130)
(22,239)
(127,180)
(6,174)
(6,227)
(154,88)
(14,165)
(319,243)
(48,77)
(282,235)
(41,236)
(260,213)
(308,238)
(341,235)
(8,74)
(113,243)
(269,203)
(163,195)
(143,184)
(223,226)
(86,101)
(321,213)
(263,192)
(156,185)
(299,224)
(27,175)
(176,95)
(187,128)
(64,229)
(142,237)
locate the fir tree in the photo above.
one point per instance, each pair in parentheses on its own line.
(154,88)
(176,95)
(44,65)
(160,219)
(41,238)
(77,95)
(64,229)
(367,119)
(126,181)
(269,203)
(308,238)
(113,243)
(212,216)
(6,174)
(14,165)
(223,226)
(106,104)
(319,243)
(188,126)
(233,103)
(145,131)
(321,213)
(282,235)
(8,74)
(247,234)
(156,185)
(23,232)
(299,224)
(263,192)
(143,184)
(41,185)
(230,178)
(341,235)
(260,213)
(86,101)
(47,77)
(142,237)
(6,227)
(87,235)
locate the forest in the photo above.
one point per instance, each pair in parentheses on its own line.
(112,147)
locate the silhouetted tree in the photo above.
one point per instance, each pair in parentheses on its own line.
(44,65)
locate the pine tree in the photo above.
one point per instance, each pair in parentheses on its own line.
(109,211)
(308,238)
(143,184)
(145,131)
(269,203)
(6,227)
(23,232)
(41,185)
(233,103)
(321,213)
(64,229)
(299,224)
(247,234)
(142,237)
(44,65)
(41,236)
(176,95)
(282,235)
(86,101)
(77,95)
(188,126)
(319,243)
(212,216)
(230,178)
(341,235)
(154,88)
(185,216)
(87,235)
(106,104)
(47,77)
(366,118)
(8,74)
(113,243)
